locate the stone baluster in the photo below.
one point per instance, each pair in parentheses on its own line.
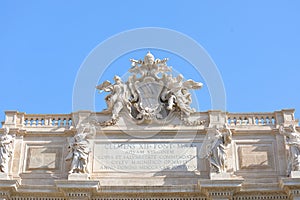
(50,121)
(232,122)
(39,121)
(257,121)
(55,119)
(33,121)
(61,121)
(46,121)
(251,120)
(238,121)
(244,121)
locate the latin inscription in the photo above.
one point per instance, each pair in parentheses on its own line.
(145,157)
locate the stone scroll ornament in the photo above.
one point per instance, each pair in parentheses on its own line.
(151,94)
(293,141)
(216,152)
(79,150)
(6,141)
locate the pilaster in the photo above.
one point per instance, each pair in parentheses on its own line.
(285,116)
(81,116)
(217,118)
(13,119)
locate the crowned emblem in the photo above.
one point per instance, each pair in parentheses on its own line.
(151,94)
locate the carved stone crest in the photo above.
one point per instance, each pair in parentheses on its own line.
(151,94)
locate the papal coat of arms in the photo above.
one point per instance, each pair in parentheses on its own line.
(151,94)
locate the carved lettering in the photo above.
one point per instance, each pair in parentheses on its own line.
(146,157)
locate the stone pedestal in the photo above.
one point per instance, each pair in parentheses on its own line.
(222,176)
(76,176)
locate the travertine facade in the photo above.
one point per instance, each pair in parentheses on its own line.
(150,145)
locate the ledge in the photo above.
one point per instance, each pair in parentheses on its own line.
(9,184)
(220,183)
(77,184)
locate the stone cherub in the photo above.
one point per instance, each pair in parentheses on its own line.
(293,141)
(5,150)
(149,66)
(216,152)
(79,151)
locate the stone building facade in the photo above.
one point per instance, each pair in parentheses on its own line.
(150,144)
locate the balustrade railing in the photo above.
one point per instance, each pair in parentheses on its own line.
(21,119)
(40,120)
(239,119)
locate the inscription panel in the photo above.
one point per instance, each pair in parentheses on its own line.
(256,156)
(129,157)
(43,158)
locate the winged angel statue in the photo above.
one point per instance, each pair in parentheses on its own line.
(151,94)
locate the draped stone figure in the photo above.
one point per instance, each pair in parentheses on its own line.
(79,151)
(178,96)
(117,99)
(293,141)
(217,149)
(5,150)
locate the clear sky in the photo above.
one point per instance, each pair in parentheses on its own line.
(254,44)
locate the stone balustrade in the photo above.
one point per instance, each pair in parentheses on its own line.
(239,119)
(56,120)
(262,118)
(173,160)
(19,119)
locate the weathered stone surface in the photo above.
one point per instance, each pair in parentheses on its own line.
(145,157)
(150,143)
(75,176)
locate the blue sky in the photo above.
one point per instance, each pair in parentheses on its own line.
(255,45)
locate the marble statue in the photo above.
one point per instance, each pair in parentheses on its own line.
(293,141)
(5,150)
(117,99)
(78,151)
(217,149)
(151,94)
(178,96)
